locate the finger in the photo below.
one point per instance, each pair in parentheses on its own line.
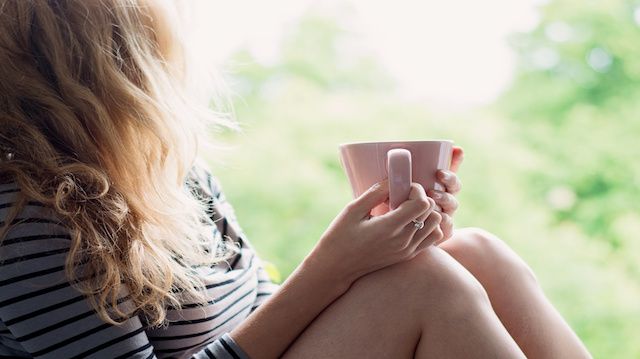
(433,238)
(446,225)
(417,204)
(431,223)
(447,202)
(446,236)
(430,235)
(372,197)
(456,158)
(450,181)
(410,230)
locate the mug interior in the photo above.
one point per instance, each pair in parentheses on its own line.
(399,142)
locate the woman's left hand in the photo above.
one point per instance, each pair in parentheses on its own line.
(446,200)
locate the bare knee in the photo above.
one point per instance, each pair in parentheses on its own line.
(386,313)
(484,254)
(432,280)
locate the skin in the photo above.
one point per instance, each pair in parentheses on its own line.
(377,287)
(516,296)
(426,307)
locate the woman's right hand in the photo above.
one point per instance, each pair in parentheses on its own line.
(355,243)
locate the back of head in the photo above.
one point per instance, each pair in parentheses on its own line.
(95,115)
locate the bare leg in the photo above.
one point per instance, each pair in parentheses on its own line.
(515,295)
(428,307)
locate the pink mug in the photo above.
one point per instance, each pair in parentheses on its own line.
(403,162)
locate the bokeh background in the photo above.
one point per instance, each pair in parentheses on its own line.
(544,96)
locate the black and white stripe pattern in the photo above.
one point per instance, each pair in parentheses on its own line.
(41,315)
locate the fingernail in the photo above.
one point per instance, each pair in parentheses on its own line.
(445,175)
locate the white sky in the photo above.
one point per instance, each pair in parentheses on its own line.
(449,53)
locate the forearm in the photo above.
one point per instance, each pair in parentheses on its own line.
(277,323)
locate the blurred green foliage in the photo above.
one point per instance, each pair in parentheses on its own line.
(575,102)
(551,167)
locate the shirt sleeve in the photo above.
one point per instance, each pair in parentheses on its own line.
(223,348)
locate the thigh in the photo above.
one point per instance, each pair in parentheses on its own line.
(371,320)
(515,295)
(403,310)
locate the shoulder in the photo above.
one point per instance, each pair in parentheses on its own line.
(39,306)
(31,211)
(35,235)
(9,191)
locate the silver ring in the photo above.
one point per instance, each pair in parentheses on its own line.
(419,225)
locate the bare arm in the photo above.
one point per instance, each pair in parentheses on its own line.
(275,324)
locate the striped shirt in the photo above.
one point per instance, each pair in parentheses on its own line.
(42,315)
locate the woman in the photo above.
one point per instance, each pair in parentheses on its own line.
(116,243)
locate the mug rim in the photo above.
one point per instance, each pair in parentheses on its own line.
(391,142)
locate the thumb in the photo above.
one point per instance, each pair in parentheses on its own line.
(372,197)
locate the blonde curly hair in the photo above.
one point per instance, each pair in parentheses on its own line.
(96,122)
